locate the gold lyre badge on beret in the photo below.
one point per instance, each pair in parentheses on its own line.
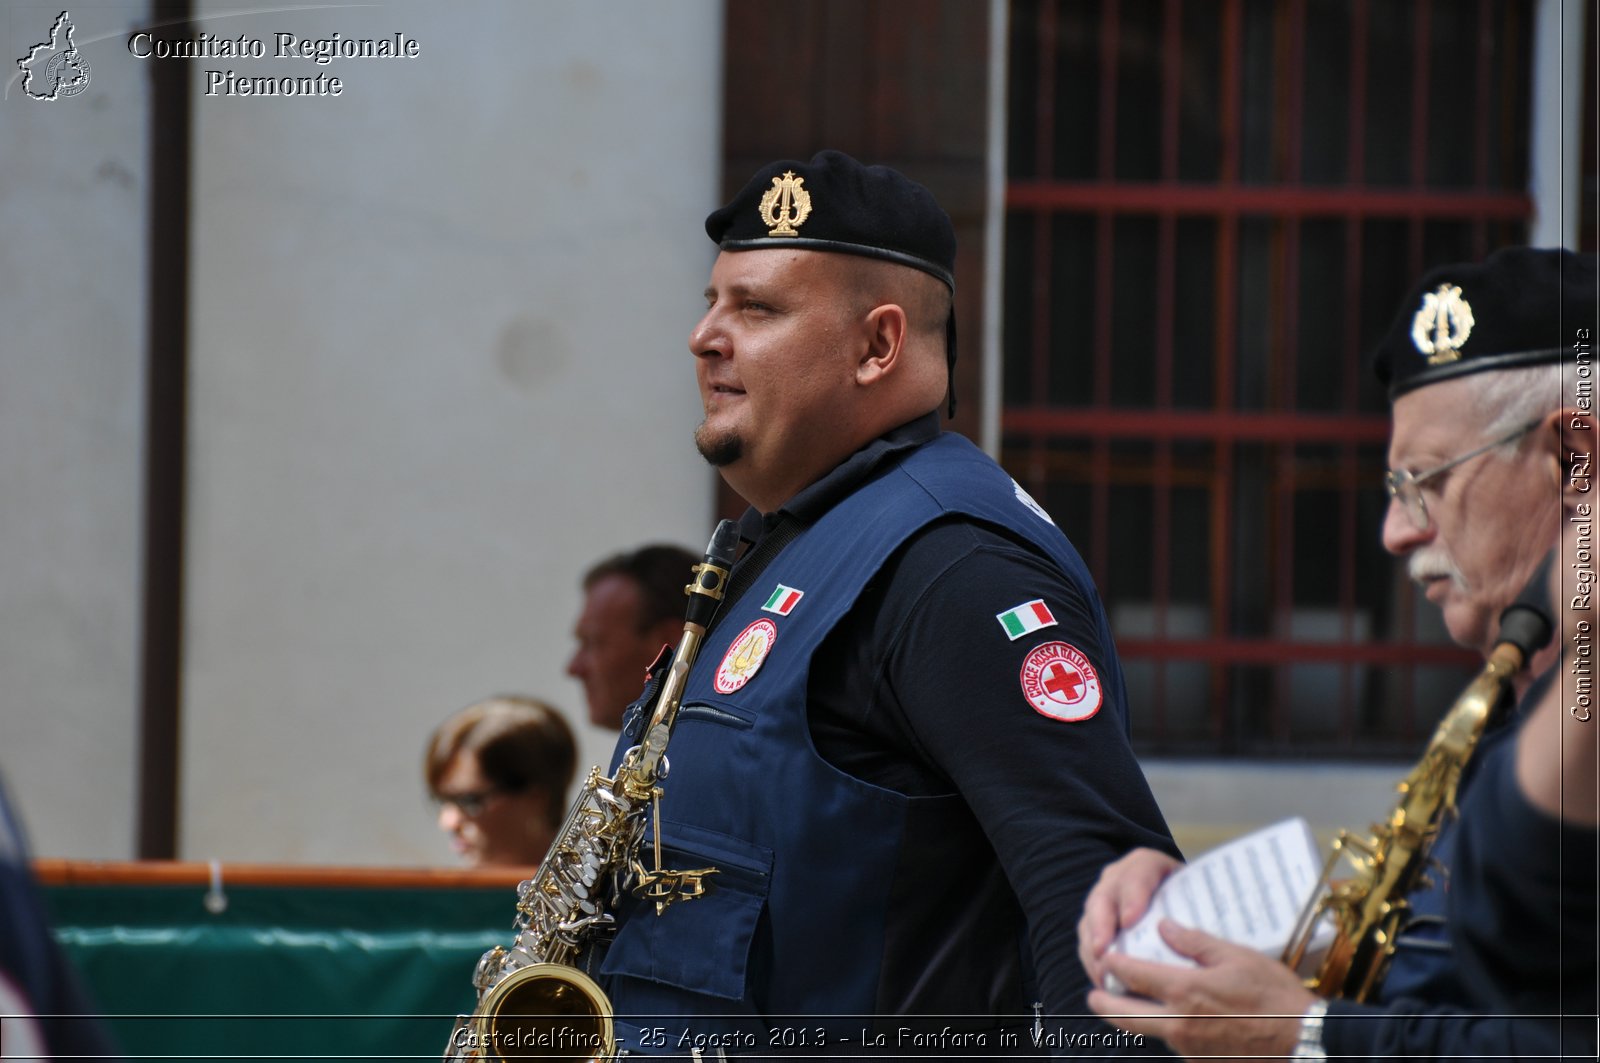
(786,205)
(1442,325)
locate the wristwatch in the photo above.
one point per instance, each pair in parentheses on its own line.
(1309,1046)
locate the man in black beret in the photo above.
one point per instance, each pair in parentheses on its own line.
(1490,369)
(904,745)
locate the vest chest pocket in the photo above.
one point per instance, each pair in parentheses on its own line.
(740,719)
(701,945)
(727,715)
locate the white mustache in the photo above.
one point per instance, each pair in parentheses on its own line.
(1434,564)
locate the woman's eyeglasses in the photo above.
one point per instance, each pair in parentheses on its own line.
(469,803)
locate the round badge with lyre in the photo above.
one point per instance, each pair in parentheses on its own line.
(1442,324)
(1059,682)
(745,654)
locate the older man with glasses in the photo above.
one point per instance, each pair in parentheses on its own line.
(1491,415)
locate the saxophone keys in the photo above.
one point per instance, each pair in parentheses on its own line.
(488,969)
(518,958)
(664,887)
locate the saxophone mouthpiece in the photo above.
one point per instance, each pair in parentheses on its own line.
(724,543)
(711,575)
(1526,622)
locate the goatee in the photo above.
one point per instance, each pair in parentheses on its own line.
(718,448)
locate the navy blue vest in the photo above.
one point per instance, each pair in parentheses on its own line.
(796,920)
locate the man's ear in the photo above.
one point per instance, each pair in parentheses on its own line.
(886,331)
(1577,432)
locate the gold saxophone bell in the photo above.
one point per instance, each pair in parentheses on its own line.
(550,1012)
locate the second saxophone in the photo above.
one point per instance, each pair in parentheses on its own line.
(1368,909)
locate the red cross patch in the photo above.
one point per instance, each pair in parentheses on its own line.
(1059,682)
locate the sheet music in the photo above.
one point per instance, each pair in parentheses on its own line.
(1250,891)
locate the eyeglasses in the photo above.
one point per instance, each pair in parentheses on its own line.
(469,803)
(1407,485)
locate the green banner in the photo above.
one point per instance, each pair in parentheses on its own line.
(280,973)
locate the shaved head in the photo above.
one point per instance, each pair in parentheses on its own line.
(873,282)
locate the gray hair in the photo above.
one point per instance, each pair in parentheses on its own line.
(1506,399)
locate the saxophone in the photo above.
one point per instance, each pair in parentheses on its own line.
(1367,909)
(532,999)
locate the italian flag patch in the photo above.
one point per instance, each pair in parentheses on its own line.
(1029,616)
(783,600)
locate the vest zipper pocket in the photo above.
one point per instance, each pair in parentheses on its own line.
(700,710)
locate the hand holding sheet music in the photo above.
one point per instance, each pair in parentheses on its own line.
(1249,891)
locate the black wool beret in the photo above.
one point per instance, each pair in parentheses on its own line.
(1522,306)
(834,203)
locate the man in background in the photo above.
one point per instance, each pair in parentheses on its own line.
(633,605)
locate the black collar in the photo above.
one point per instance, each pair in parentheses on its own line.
(812,502)
(769,533)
